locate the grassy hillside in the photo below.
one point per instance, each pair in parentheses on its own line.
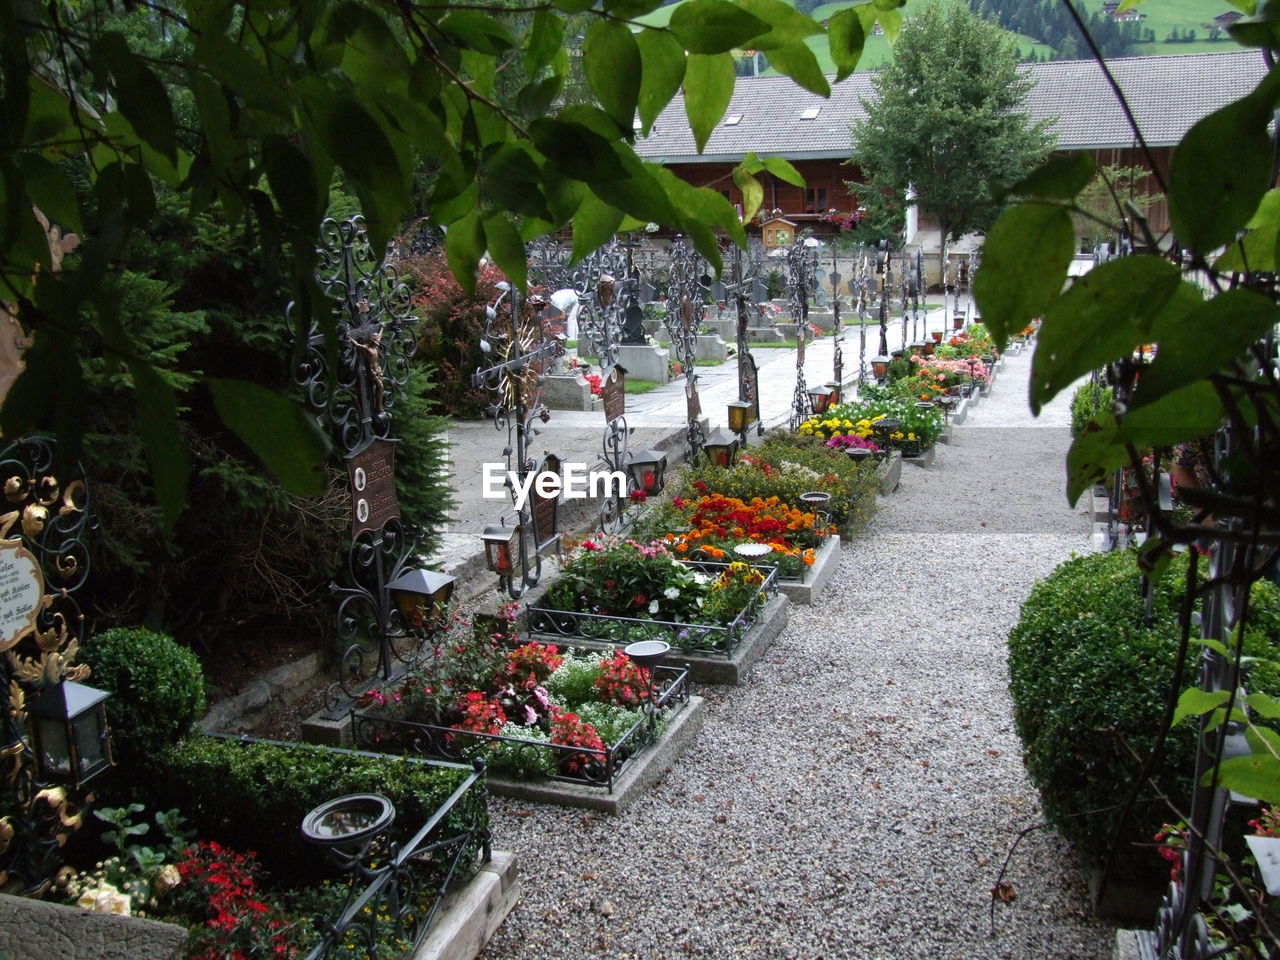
(1162,17)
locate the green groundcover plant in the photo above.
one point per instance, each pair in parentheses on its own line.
(1090,671)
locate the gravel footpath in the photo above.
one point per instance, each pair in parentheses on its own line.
(858,797)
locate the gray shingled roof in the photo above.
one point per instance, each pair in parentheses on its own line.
(1167,95)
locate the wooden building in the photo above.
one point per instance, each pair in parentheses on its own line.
(774,116)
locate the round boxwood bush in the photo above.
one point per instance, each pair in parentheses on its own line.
(156,687)
(1088,669)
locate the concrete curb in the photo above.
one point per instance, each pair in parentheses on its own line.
(891,474)
(469,916)
(285,682)
(924,459)
(817,576)
(638,775)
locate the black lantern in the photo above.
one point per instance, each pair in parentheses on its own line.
(647,470)
(916,347)
(70,733)
(740,415)
(421,596)
(721,449)
(880,366)
(819,399)
(500,548)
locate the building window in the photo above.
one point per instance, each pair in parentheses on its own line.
(815,200)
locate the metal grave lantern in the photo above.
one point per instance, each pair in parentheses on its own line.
(721,449)
(741,415)
(500,545)
(70,734)
(880,366)
(422,596)
(819,399)
(647,471)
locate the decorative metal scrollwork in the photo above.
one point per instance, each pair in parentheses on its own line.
(523,341)
(354,390)
(686,293)
(799,281)
(44,562)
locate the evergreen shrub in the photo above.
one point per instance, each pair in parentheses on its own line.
(1088,671)
(156,686)
(253,795)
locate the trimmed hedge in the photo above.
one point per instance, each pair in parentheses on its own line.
(1082,663)
(253,795)
(156,686)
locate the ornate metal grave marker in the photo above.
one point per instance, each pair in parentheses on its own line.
(356,398)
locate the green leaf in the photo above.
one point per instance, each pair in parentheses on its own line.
(708,88)
(787,25)
(143,99)
(507,249)
(846,39)
(1195,702)
(49,394)
(362,149)
(752,192)
(535,99)
(158,428)
(464,246)
(612,63)
(714,26)
(1216,645)
(593,225)
(1209,201)
(663,59)
(546,36)
(1203,341)
(1094,455)
(640,193)
(799,63)
(477,31)
(1024,265)
(1263,741)
(1258,251)
(1263,705)
(292,180)
(1102,317)
(49,190)
(283,435)
(783,170)
(573,6)
(578,152)
(512,181)
(1187,414)
(891,21)
(1060,177)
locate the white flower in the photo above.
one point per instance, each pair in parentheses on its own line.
(701,578)
(671,593)
(104,899)
(653,606)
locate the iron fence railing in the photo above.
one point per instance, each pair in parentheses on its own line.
(685,637)
(566,763)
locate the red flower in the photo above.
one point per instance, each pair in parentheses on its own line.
(639,496)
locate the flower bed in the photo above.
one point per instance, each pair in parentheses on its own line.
(918,429)
(621,590)
(594,715)
(716,523)
(785,468)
